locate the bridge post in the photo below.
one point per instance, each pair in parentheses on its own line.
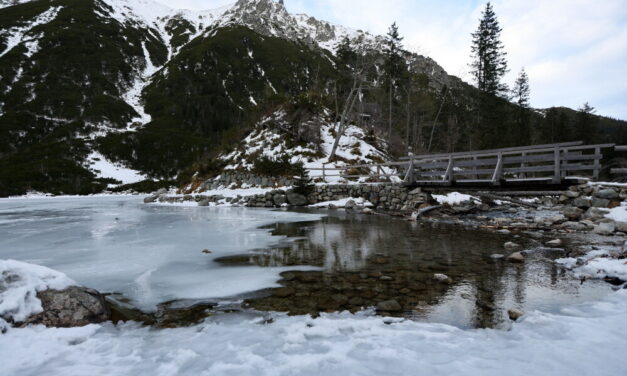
(498,170)
(409,175)
(557,172)
(597,164)
(448,175)
(324,179)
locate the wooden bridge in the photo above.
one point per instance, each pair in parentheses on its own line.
(549,164)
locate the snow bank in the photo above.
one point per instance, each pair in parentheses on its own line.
(19,283)
(596,264)
(360,201)
(618,213)
(584,339)
(453,198)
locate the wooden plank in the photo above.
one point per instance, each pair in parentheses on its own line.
(619,171)
(620,147)
(501,150)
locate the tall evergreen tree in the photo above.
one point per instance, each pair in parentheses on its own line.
(520,96)
(521,91)
(585,123)
(394,66)
(489,64)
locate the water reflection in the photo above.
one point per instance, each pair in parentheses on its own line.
(367,260)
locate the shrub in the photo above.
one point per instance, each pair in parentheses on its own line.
(276,166)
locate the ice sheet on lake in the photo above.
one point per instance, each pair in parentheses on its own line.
(150,254)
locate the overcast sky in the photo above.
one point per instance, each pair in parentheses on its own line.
(573,50)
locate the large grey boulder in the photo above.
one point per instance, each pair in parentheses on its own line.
(607,227)
(595,214)
(74,306)
(296,199)
(279,199)
(598,202)
(608,194)
(389,306)
(582,202)
(572,213)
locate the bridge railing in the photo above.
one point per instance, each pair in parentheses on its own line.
(549,163)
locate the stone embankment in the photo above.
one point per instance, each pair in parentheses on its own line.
(581,208)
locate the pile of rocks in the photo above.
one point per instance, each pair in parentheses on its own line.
(585,208)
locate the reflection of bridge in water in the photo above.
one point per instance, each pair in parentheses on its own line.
(549,164)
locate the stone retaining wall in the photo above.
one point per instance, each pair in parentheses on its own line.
(245,179)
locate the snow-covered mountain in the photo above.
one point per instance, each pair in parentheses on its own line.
(141,86)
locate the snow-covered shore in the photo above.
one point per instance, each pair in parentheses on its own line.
(583,339)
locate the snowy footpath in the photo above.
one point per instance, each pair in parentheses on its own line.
(583,339)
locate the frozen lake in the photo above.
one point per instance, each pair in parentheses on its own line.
(150,254)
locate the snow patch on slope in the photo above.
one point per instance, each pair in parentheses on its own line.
(17,35)
(270,138)
(103,168)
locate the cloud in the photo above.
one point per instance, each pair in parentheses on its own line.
(573,50)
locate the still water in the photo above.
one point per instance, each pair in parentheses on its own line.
(304,262)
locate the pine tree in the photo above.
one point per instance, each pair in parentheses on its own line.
(394,66)
(520,96)
(302,182)
(521,91)
(346,54)
(585,123)
(489,64)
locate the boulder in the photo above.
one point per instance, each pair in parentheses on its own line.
(71,307)
(150,199)
(204,202)
(296,199)
(555,243)
(350,205)
(572,213)
(600,202)
(279,199)
(514,314)
(595,214)
(389,306)
(442,278)
(607,227)
(516,257)
(621,226)
(575,226)
(572,194)
(511,246)
(582,202)
(608,194)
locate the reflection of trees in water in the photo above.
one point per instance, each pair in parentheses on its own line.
(357,252)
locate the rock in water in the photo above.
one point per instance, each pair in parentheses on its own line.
(516,257)
(511,246)
(73,306)
(389,306)
(554,243)
(514,314)
(442,278)
(350,205)
(296,199)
